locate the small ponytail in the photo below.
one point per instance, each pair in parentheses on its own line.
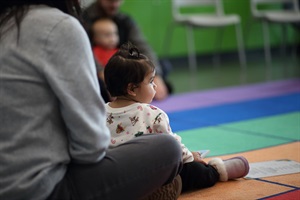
(134,52)
(130,51)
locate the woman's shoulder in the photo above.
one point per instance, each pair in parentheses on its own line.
(48,16)
(51,24)
(124,19)
(45,12)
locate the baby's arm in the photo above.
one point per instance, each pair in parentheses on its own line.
(161,125)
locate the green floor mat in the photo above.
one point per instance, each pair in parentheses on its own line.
(285,126)
(244,136)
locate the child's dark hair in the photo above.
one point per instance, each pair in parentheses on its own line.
(126,66)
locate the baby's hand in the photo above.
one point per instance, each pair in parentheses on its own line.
(197,157)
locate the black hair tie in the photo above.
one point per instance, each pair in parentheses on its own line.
(134,52)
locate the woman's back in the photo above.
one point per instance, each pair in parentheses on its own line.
(35,72)
(24,91)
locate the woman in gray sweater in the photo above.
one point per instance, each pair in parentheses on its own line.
(53,134)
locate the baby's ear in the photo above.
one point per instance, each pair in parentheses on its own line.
(130,89)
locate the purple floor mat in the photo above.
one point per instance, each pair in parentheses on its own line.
(228,95)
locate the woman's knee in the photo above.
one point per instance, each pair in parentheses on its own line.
(163,143)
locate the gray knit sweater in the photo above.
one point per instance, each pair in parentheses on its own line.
(51,111)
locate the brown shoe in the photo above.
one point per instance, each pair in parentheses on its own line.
(170,191)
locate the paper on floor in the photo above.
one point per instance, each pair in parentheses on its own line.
(273,168)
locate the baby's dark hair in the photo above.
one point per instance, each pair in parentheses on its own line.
(126,66)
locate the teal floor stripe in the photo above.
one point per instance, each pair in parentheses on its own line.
(244,136)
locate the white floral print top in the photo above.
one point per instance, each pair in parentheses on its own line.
(138,119)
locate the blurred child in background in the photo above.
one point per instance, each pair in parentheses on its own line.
(105,39)
(128,30)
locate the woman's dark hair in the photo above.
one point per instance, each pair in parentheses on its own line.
(17,9)
(126,66)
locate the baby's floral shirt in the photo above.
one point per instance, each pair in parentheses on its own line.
(138,119)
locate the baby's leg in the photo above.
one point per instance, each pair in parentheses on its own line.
(197,175)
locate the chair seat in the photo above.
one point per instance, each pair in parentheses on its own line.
(282,17)
(208,20)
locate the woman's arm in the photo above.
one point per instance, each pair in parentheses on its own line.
(72,77)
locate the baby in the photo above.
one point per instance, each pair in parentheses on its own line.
(105,39)
(129,78)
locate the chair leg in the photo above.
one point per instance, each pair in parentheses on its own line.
(294,45)
(218,44)
(192,55)
(191,49)
(241,51)
(247,30)
(284,40)
(267,50)
(295,64)
(283,49)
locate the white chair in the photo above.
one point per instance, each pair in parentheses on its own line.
(272,15)
(216,19)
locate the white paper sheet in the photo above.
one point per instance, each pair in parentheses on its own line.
(273,168)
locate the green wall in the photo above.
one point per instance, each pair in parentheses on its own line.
(154,18)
